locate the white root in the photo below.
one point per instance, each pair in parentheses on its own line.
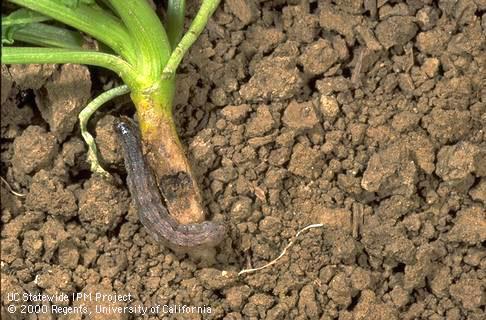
(12,191)
(284,251)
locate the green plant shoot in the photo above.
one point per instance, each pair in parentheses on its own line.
(140,48)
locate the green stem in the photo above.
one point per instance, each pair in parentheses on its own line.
(84,116)
(45,35)
(29,55)
(23,16)
(148,35)
(197,26)
(175,20)
(97,23)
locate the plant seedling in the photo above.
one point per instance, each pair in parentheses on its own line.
(144,51)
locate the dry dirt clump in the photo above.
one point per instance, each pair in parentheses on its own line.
(367,117)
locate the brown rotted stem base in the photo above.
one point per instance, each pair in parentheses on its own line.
(167,158)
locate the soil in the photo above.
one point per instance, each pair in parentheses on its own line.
(366,116)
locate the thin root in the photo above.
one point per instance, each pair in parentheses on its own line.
(291,243)
(12,191)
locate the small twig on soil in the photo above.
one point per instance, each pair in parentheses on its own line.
(291,243)
(355,77)
(15,193)
(357,219)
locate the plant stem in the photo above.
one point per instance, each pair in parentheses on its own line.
(99,24)
(166,155)
(45,35)
(84,116)
(28,55)
(197,26)
(175,20)
(23,17)
(163,148)
(148,36)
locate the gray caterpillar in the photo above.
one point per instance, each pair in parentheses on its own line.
(152,212)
